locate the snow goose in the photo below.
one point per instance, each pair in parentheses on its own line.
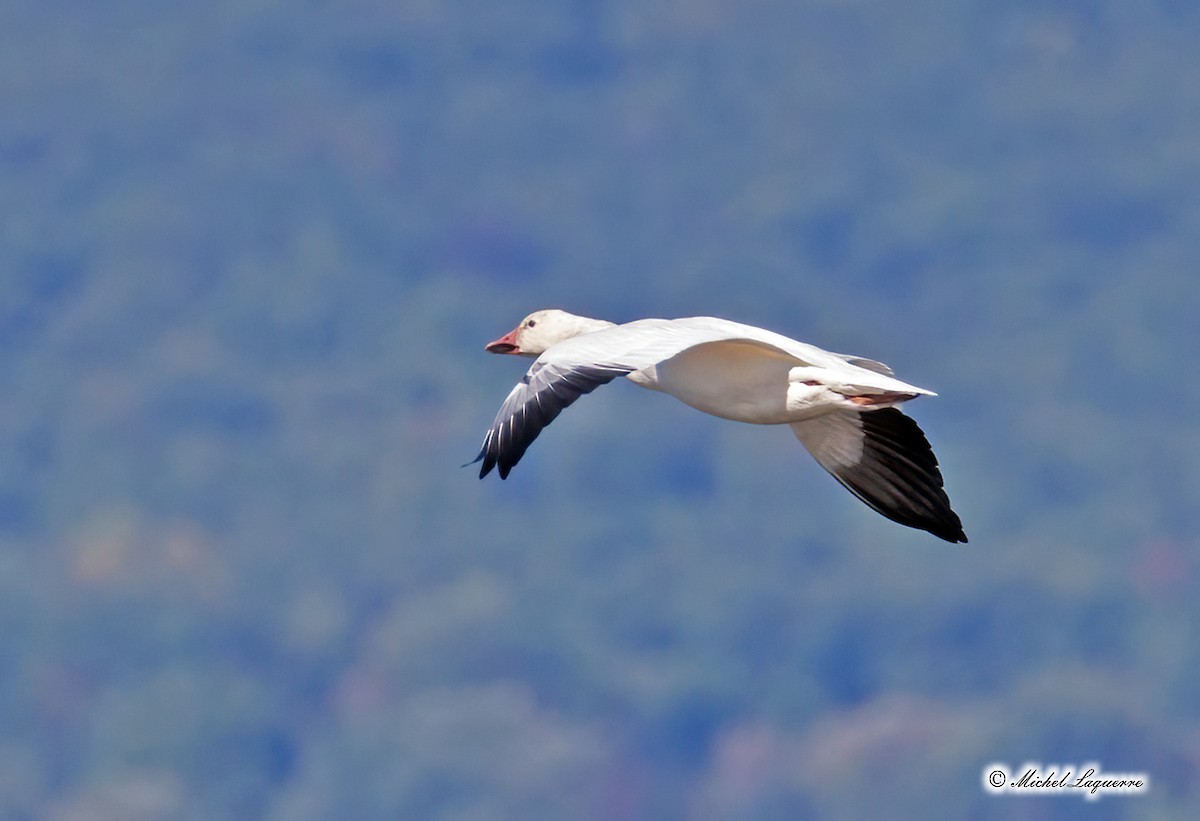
(841,408)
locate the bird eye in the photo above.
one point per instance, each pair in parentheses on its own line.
(532,322)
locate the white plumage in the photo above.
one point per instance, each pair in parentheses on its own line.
(841,408)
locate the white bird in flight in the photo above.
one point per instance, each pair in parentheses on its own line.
(841,408)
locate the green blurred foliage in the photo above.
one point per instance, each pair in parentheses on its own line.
(249,253)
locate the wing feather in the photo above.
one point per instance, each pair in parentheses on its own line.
(541,395)
(883,458)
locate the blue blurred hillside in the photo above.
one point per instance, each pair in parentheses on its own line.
(250,253)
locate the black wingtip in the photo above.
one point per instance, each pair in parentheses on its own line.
(899,477)
(536,401)
(950,531)
(488,463)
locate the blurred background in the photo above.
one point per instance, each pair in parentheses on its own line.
(250,251)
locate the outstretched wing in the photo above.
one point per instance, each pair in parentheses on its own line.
(538,398)
(883,458)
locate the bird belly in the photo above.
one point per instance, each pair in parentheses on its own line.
(725,379)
